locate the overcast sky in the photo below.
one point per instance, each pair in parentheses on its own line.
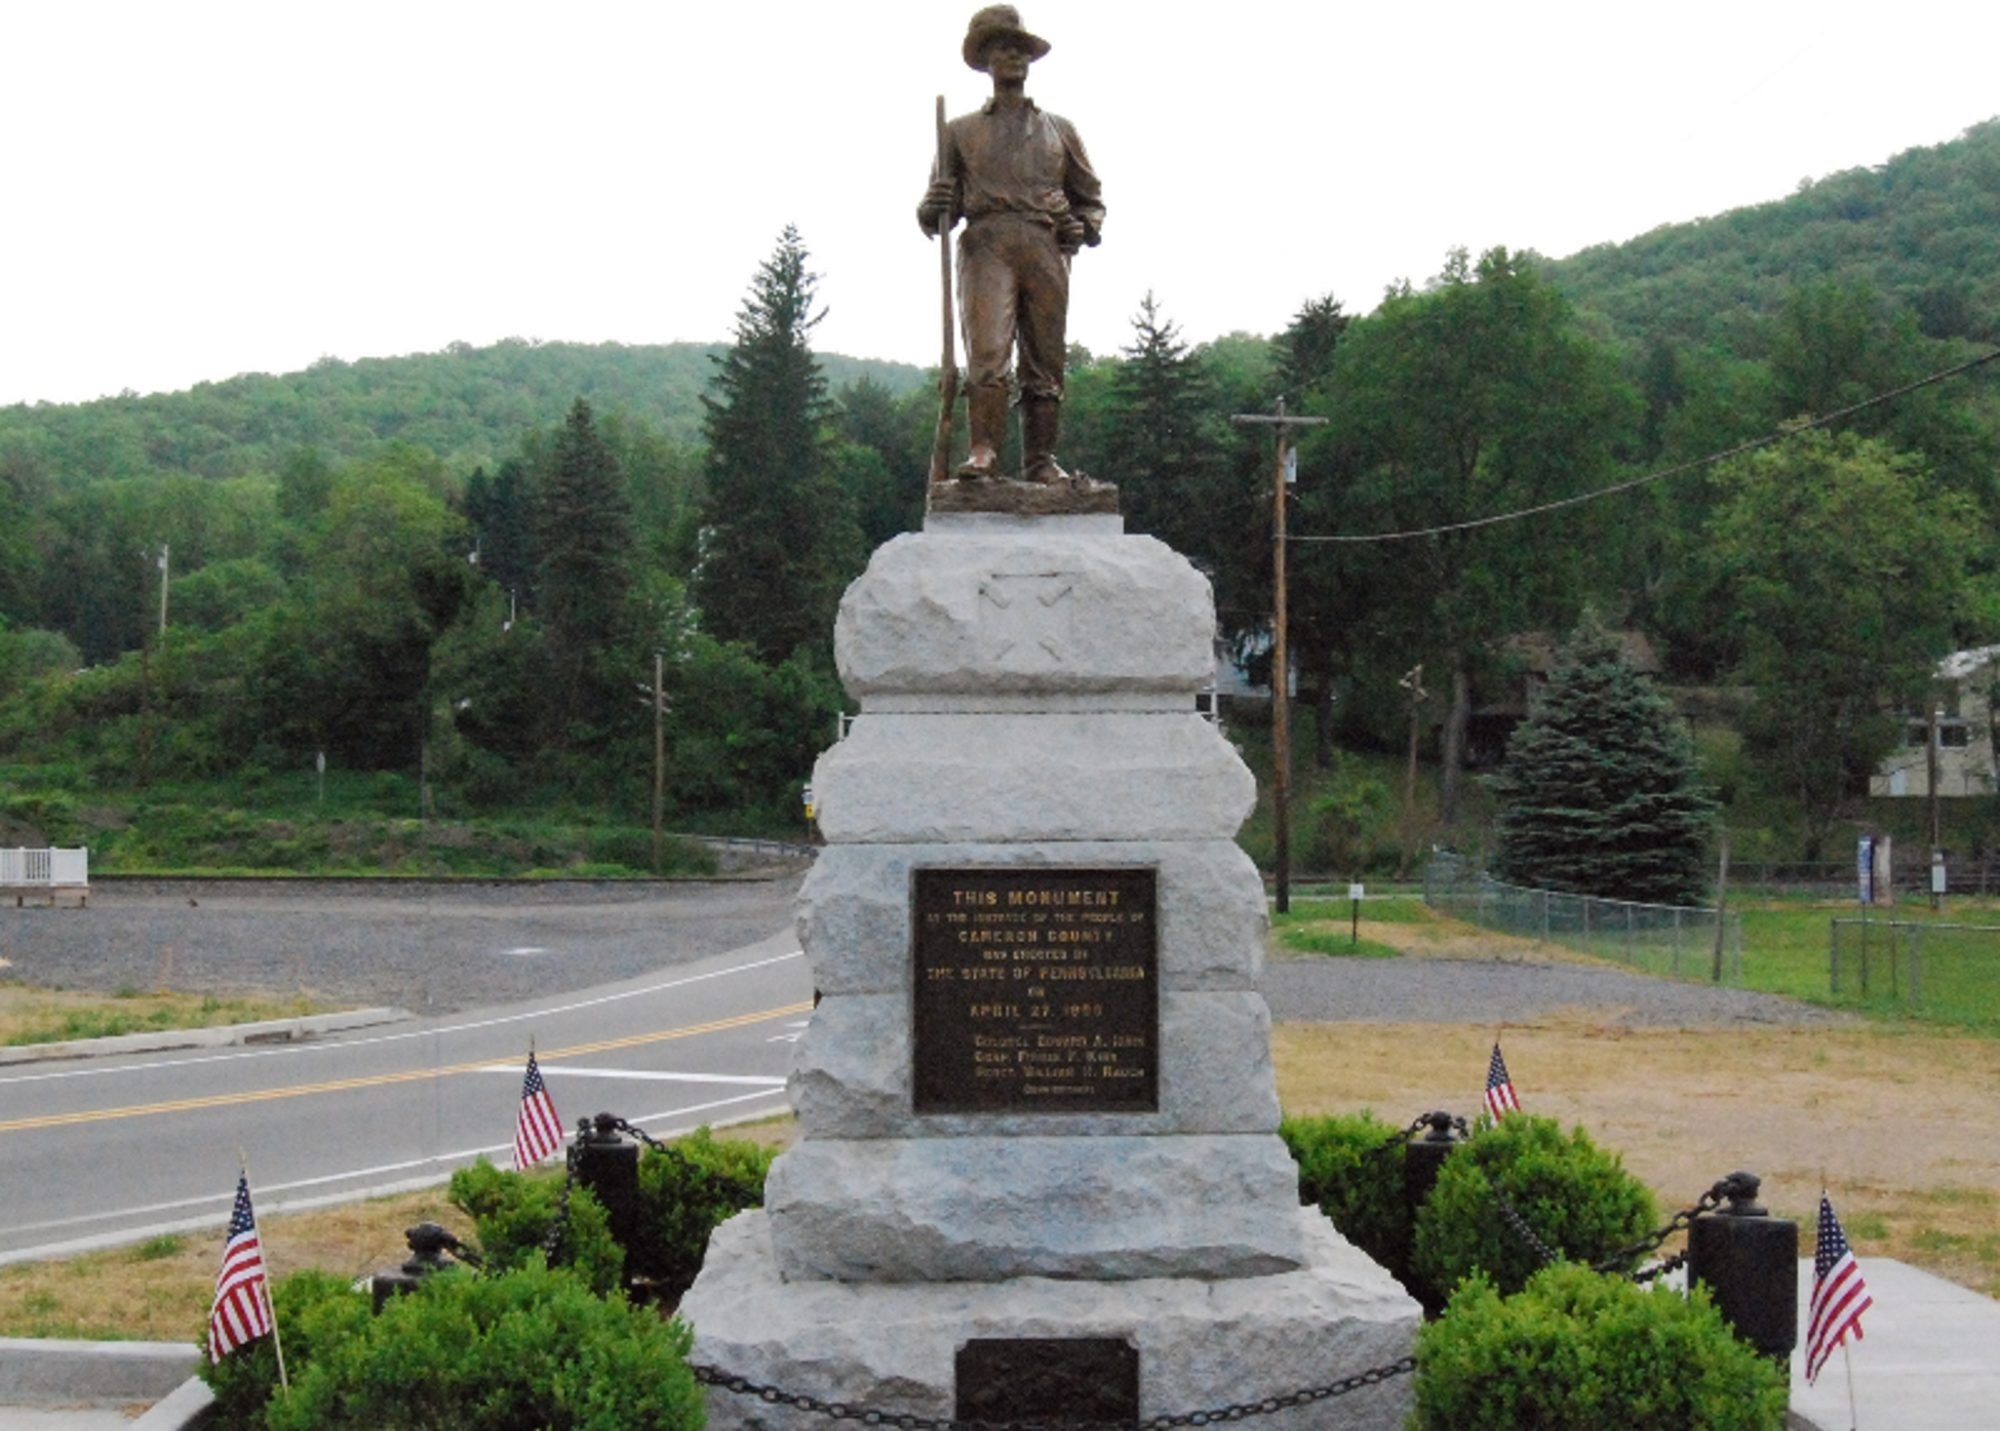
(194,189)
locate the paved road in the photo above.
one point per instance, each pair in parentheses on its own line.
(100,1151)
(694,997)
(430,948)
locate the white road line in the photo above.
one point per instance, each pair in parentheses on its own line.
(292,1050)
(557,1072)
(219,1205)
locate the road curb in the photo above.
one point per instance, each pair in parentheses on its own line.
(271,1031)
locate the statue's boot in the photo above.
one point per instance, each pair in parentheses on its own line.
(1041,426)
(986,416)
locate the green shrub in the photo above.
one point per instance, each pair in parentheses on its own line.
(527,1348)
(1577,1198)
(1344,1172)
(316,1312)
(1578,1350)
(512,1213)
(686,1197)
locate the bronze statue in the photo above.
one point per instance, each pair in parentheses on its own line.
(1022,182)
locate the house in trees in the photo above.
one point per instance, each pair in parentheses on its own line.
(1527,660)
(1964,714)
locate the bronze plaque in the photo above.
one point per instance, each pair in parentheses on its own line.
(1036,991)
(1054,1380)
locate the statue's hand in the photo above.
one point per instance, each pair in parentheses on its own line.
(1072,233)
(936,212)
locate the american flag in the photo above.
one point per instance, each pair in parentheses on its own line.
(1839,1294)
(242,1310)
(537,1132)
(1500,1099)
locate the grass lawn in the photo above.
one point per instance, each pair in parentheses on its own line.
(31,1015)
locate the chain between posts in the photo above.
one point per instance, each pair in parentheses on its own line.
(910,1421)
(1401,1137)
(1616,1261)
(559,1227)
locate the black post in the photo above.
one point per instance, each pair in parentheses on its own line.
(1422,1159)
(1749,1261)
(607,1162)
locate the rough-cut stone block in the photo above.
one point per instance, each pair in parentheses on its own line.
(854,908)
(1201,1344)
(1007,607)
(852,1075)
(900,779)
(985,1209)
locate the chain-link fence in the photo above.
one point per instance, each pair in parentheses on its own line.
(1672,940)
(1946,970)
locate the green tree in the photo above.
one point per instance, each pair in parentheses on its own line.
(779,540)
(1599,795)
(347,664)
(1478,397)
(1305,349)
(1846,567)
(583,549)
(1164,445)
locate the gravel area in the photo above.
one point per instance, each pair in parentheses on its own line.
(1476,991)
(426,947)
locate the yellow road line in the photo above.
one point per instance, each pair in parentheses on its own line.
(377,1080)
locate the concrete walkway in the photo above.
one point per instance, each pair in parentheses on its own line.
(1928,1360)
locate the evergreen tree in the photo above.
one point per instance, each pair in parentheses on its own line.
(1599,792)
(1305,349)
(1163,446)
(503,518)
(583,542)
(779,540)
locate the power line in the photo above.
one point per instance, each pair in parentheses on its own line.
(1779,435)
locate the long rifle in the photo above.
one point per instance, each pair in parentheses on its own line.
(948,369)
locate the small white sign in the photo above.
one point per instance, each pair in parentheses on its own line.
(1355,892)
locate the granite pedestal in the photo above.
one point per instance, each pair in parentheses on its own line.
(1036,1098)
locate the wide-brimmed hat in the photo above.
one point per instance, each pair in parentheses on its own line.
(998,22)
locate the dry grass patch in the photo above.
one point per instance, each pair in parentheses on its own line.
(1904,1126)
(159,1290)
(30,1015)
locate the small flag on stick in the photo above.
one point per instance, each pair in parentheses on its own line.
(537,1132)
(1839,1294)
(1500,1099)
(242,1309)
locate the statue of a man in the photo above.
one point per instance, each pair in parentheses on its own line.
(1024,185)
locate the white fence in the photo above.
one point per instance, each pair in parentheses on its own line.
(25,871)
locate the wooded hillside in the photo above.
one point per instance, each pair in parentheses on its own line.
(458,567)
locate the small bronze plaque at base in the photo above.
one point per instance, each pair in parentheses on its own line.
(1063,1380)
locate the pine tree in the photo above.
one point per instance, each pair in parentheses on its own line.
(583,543)
(779,540)
(1599,792)
(1305,349)
(1163,445)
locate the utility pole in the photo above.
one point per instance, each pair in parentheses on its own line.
(1931,783)
(655,695)
(166,553)
(659,754)
(1281,717)
(1413,682)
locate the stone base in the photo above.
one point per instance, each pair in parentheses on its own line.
(987,1209)
(1202,1344)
